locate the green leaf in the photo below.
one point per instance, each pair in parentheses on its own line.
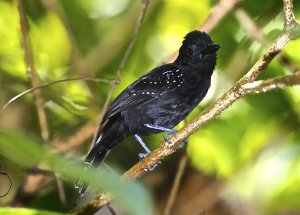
(25,151)
(25,211)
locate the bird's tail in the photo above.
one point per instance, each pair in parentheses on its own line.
(113,133)
(92,160)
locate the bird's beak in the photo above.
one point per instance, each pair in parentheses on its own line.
(210,49)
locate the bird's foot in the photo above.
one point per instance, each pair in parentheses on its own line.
(166,137)
(145,154)
(151,168)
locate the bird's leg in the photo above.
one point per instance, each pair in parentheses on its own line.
(147,152)
(142,143)
(166,137)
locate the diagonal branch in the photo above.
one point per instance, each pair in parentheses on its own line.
(145,4)
(235,93)
(31,72)
(217,14)
(265,60)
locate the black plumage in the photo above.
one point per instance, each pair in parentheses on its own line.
(163,97)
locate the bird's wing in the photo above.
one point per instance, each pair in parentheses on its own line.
(147,88)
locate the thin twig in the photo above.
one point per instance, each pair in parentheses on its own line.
(31,72)
(264,61)
(31,184)
(249,25)
(123,63)
(175,186)
(289,18)
(256,33)
(290,23)
(97,203)
(61,190)
(218,12)
(272,84)
(76,139)
(52,83)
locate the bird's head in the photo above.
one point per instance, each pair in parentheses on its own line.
(198,51)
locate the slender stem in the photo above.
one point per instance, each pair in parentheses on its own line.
(31,72)
(175,186)
(94,204)
(272,84)
(289,18)
(141,16)
(52,83)
(218,13)
(264,61)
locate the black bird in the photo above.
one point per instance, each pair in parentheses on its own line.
(159,100)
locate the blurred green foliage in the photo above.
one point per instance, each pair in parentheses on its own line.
(26,152)
(252,147)
(24,211)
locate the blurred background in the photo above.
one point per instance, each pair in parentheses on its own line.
(246,161)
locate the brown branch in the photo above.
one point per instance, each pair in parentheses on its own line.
(272,84)
(61,190)
(217,14)
(140,19)
(290,23)
(31,72)
(264,61)
(249,25)
(289,18)
(31,183)
(93,206)
(256,33)
(175,186)
(76,139)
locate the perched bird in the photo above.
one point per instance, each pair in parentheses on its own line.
(158,100)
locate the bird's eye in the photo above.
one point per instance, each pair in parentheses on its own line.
(189,51)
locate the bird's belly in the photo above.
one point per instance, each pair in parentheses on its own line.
(168,113)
